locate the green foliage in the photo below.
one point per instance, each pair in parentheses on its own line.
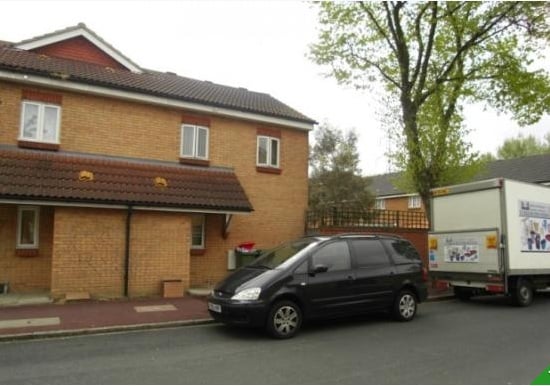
(335,175)
(523,146)
(431,58)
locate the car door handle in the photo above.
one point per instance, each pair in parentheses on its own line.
(351,277)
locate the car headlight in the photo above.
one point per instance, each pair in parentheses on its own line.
(248,294)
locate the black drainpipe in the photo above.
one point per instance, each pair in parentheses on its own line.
(127,252)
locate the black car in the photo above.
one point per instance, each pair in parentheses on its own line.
(320,277)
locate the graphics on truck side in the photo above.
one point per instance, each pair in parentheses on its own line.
(535,226)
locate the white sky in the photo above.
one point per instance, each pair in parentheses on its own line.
(259,45)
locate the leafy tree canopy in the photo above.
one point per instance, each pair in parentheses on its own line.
(523,146)
(335,178)
(431,58)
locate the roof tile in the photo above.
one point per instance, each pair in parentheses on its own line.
(149,82)
(29,174)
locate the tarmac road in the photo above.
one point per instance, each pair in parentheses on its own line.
(485,341)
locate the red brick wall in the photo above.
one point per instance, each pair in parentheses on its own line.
(80,49)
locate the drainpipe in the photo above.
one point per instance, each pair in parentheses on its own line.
(127,252)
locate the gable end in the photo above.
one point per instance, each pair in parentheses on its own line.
(79,48)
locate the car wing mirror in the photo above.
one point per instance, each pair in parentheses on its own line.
(319,268)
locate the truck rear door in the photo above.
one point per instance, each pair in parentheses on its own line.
(466,253)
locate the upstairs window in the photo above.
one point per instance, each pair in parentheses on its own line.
(27,227)
(194,141)
(415,202)
(40,122)
(380,203)
(268,152)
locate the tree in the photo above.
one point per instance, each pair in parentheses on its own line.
(335,175)
(432,57)
(523,146)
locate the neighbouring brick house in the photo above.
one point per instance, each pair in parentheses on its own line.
(114,179)
(534,169)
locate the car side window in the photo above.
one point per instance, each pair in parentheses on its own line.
(302,268)
(335,256)
(402,251)
(369,253)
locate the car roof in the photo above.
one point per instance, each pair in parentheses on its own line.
(356,235)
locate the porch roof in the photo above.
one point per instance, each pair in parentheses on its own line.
(92,179)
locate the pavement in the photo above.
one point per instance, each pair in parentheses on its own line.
(35,316)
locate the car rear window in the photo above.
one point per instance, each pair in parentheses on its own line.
(402,251)
(369,252)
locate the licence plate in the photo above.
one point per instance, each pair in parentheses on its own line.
(215,307)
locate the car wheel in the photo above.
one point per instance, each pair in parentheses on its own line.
(404,308)
(523,294)
(284,320)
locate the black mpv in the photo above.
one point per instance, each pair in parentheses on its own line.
(320,277)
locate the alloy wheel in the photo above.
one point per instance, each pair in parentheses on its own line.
(407,306)
(286,320)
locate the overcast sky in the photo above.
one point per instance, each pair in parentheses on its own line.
(259,45)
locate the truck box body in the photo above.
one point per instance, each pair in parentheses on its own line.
(489,234)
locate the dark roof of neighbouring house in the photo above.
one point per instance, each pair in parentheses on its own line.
(56,176)
(160,84)
(533,169)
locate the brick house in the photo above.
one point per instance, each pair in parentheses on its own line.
(115,179)
(534,169)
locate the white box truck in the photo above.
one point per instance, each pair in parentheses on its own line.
(491,236)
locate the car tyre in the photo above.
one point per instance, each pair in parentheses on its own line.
(405,305)
(284,319)
(523,293)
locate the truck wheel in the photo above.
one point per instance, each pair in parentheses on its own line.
(284,320)
(404,307)
(523,293)
(463,294)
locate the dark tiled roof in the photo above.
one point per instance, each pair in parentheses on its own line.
(382,185)
(533,169)
(149,82)
(55,176)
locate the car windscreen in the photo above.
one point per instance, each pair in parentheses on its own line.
(283,255)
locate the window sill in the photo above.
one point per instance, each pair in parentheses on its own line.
(194,161)
(263,169)
(27,252)
(38,145)
(198,251)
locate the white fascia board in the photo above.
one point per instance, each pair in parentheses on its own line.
(122,207)
(150,99)
(403,195)
(80,32)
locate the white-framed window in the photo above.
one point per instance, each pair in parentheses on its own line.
(380,203)
(415,202)
(28,218)
(40,122)
(194,141)
(197,231)
(268,151)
